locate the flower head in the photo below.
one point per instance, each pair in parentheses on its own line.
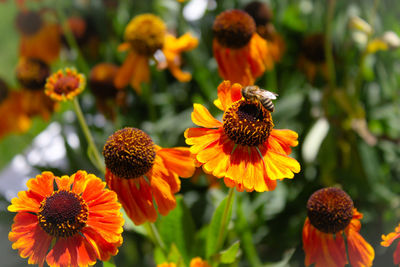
(145,35)
(312,57)
(244,148)
(331,219)
(65,85)
(32,73)
(40,38)
(139,171)
(66,221)
(388,239)
(242,55)
(101,84)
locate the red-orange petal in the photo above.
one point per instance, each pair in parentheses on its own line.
(360,251)
(285,138)
(163,196)
(103,249)
(30,240)
(71,252)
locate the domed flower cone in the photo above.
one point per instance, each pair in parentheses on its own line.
(143,173)
(332,220)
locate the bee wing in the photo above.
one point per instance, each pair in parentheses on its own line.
(268,94)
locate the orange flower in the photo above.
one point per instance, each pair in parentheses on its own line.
(331,219)
(40,39)
(65,85)
(101,84)
(32,74)
(195,262)
(244,148)
(262,16)
(73,225)
(312,60)
(145,35)
(242,55)
(387,240)
(138,171)
(11,104)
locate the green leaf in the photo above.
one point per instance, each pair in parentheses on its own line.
(214,228)
(178,229)
(108,264)
(231,254)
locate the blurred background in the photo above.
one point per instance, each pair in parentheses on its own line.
(348,119)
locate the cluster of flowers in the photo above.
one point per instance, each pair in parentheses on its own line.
(74,220)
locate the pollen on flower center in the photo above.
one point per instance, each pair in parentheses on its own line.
(63,214)
(129,153)
(330,210)
(247,123)
(146,34)
(28,22)
(234,28)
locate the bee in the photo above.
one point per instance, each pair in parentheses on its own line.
(264,97)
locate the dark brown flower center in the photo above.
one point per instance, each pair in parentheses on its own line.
(3,90)
(330,210)
(129,153)
(247,123)
(313,48)
(101,80)
(28,22)
(32,73)
(234,28)
(63,214)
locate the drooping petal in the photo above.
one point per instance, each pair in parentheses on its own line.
(178,160)
(102,247)
(163,196)
(360,252)
(29,238)
(135,196)
(388,239)
(322,249)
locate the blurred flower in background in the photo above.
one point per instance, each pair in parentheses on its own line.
(65,84)
(145,35)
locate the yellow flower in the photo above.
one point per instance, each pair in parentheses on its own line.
(145,35)
(65,85)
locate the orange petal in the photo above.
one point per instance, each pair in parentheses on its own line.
(135,197)
(201,138)
(64,183)
(124,73)
(178,160)
(360,252)
(103,249)
(71,251)
(162,195)
(227,94)
(140,74)
(202,117)
(285,138)
(29,238)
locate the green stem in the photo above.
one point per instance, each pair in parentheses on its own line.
(328,44)
(225,219)
(81,62)
(95,155)
(246,238)
(155,236)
